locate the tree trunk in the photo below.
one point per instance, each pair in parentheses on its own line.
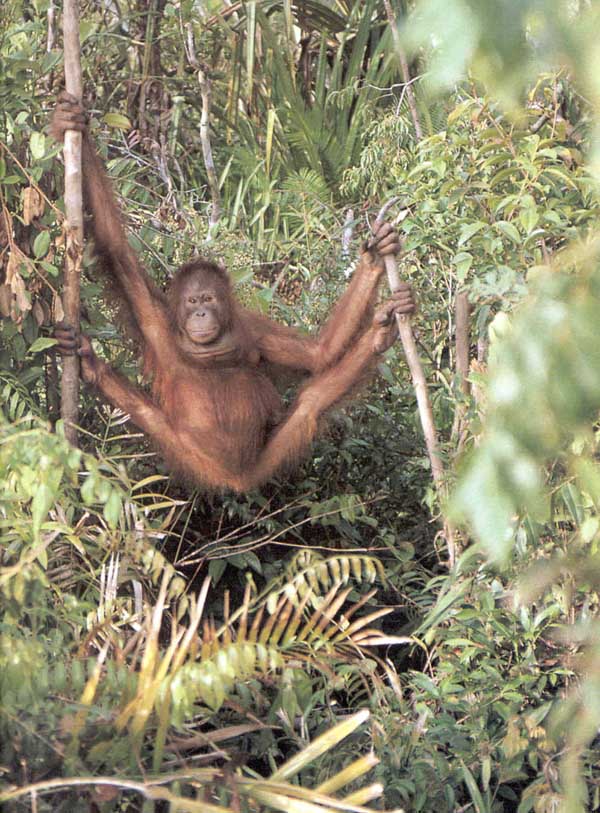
(69,408)
(463,338)
(462,329)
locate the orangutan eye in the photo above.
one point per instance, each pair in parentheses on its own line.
(192,300)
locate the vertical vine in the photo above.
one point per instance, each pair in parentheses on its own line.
(69,407)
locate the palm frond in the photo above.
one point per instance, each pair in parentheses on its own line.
(207,792)
(203,664)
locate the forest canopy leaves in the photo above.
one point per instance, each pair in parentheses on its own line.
(504,44)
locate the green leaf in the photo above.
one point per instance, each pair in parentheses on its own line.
(485,498)
(86,28)
(42,558)
(486,772)
(112,509)
(216,568)
(528,218)
(561,175)
(509,230)
(117,120)
(426,684)
(385,371)
(88,488)
(50,61)
(40,505)
(458,111)
(463,262)
(49,268)
(41,244)
(325,742)
(503,175)
(37,145)
(470,229)
(474,792)
(42,343)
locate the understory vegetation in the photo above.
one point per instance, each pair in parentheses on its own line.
(351,636)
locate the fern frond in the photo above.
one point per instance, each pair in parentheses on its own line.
(212,679)
(264,635)
(15,400)
(309,571)
(306,184)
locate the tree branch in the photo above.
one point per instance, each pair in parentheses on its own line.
(410,94)
(209,164)
(420,384)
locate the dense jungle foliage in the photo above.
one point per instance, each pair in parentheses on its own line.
(310,647)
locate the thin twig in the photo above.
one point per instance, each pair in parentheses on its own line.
(209,164)
(410,94)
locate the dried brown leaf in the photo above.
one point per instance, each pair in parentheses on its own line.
(6,228)
(58,313)
(5,300)
(33,204)
(38,312)
(23,300)
(16,261)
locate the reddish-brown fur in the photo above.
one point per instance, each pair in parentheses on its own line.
(214,411)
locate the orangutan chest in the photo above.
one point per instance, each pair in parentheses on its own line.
(240,402)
